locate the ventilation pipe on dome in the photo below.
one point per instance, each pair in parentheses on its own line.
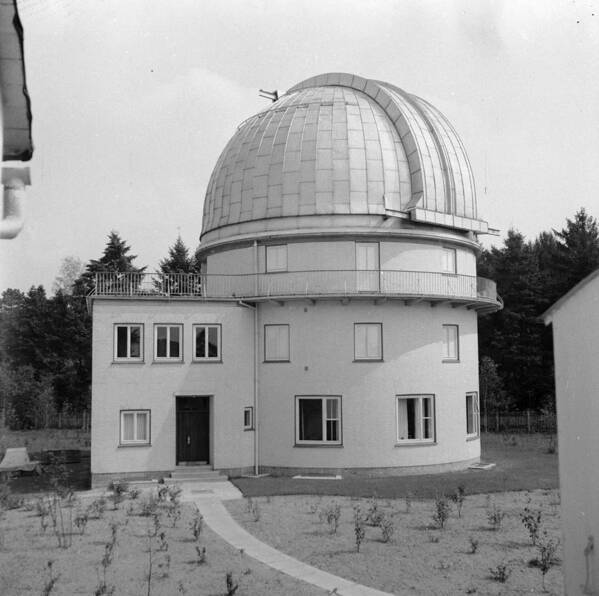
(14,181)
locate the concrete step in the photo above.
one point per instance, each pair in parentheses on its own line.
(196,473)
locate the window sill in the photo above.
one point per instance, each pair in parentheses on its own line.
(125,361)
(275,361)
(451,360)
(207,361)
(368,360)
(248,429)
(127,445)
(318,445)
(472,437)
(168,361)
(415,443)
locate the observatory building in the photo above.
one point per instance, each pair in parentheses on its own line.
(333,326)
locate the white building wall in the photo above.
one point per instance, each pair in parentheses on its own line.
(576,345)
(152,385)
(322,354)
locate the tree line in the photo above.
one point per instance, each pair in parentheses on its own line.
(45,341)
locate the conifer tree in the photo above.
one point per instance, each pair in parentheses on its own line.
(178,260)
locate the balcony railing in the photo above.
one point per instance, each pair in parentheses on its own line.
(400,284)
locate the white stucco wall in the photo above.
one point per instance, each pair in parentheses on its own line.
(322,354)
(576,345)
(154,386)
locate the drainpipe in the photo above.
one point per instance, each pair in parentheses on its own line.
(256,369)
(14,181)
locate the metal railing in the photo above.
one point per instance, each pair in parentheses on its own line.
(299,283)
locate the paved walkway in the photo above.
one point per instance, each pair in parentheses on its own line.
(208,496)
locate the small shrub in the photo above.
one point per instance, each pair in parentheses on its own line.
(433,538)
(331,514)
(96,508)
(546,559)
(134,493)
(51,581)
(442,509)
(149,505)
(532,522)
(174,493)
(196,525)
(359,532)
(500,573)
(458,498)
(174,514)
(232,586)
(373,515)
(495,516)
(81,522)
(473,545)
(387,528)
(201,552)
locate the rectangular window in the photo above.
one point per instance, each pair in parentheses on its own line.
(276,258)
(367,266)
(472,415)
(449,264)
(168,342)
(128,342)
(451,343)
(368,341)
(276,343)
(207,342)
(135,427)
(318,420)
(248,418)
(415,418)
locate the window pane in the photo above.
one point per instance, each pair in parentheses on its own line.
(247,417)
(332,430)
(135,342)
(200,342)
(402,419)
(142,419)
(161,342)
(213,342)
(276,342)
(449,260)
(332,408)
(121,342)
(128,426)
(450,347)
(411,415)
(174,342)
(360,341)
(469,426)
(310,420)
(373,341)
(276,258)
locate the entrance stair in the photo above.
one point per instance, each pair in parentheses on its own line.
(196,473)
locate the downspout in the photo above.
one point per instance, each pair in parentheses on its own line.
(14,181)
(256,369)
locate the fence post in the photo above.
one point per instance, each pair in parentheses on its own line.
(528,421)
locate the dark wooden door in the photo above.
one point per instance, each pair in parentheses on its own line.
(193,429)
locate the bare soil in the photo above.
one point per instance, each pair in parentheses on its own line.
(420,559)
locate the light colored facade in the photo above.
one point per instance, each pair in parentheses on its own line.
(339,283)
(575,322)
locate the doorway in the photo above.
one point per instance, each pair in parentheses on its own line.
(193,430)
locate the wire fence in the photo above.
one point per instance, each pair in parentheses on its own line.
(527,421)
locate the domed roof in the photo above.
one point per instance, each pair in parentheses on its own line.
(342,144)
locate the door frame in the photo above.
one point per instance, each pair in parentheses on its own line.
(210,414)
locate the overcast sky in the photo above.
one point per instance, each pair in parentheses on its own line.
(133,102)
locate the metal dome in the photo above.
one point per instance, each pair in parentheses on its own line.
(341,144)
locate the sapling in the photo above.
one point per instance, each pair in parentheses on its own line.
(373,515)
(81,522)
(473,545)
(532,522)
(331,514)
(230,583)
(359,531)
(387,528)
(458,498)
(51,581)
(500,573)
(201,552)
(197,524)
(495,516)
(442,509)
(546,559)
(255,511)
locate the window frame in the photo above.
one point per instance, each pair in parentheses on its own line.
(453,270)
(219,356)
(266,358)
(135,442)
(267,267)
(324,442)
(475,415)
(445,343)
(128,358)
(250,411)
(369,358)
(168,358)
(420,397)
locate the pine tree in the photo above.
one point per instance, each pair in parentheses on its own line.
(178,260)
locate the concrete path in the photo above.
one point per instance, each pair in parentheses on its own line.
(209,496)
